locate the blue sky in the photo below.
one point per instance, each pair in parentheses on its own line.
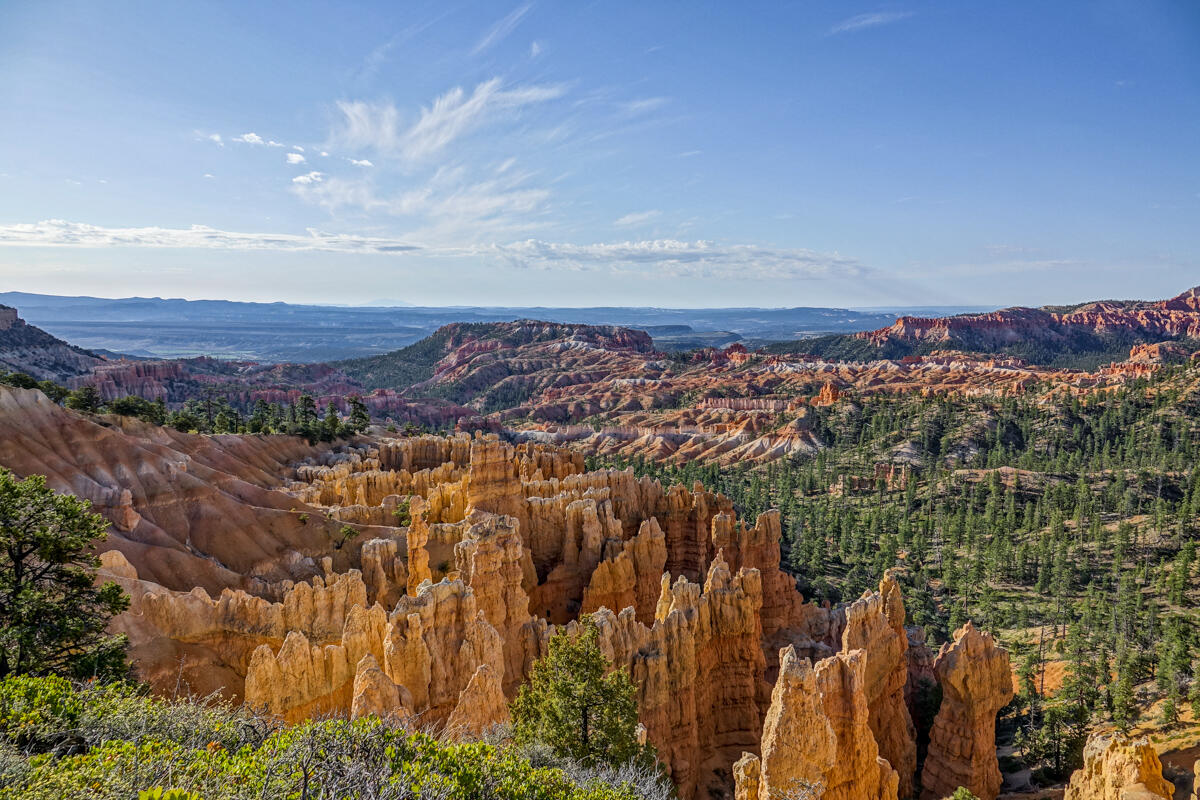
(584,153)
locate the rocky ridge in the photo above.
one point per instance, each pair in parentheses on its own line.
(29,349)
(605,391)
(1177,317)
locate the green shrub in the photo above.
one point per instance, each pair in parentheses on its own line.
(137,746)
(158,793)
(37,712)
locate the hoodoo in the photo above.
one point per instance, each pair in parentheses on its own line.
(976,681)
(340,609)
(1118,768)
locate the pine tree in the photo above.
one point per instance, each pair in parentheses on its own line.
(52,614)
(574,708)
(360,418)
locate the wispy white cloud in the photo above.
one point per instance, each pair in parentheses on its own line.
(298,148)
(641,106)
(58,233)
(295,158)
(361,162)
(377,126)
(690,153)
(700,259)
(637,218)
(450,206)
(209,175)
(872,20)
(501,29)
(535,49)
(254,138)
(309,178)
(215,138)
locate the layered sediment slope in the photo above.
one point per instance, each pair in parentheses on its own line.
(1088,327)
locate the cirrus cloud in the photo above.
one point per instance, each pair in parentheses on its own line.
(378,126)
(60,233)
(861,22)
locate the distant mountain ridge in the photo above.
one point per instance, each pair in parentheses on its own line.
(1081,335)
(279,332)
(611,389)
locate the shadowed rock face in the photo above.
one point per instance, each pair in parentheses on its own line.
(244,579)
(875,626)
(1118,768)
(817,736)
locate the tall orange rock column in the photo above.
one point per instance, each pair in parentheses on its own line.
(418,538)
(490,558)
(817,738)
(875,625)
(494,483)
(976,682)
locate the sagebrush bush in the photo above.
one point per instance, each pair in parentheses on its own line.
(133,746)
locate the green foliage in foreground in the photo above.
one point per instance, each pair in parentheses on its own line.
(52,613)
(104,742)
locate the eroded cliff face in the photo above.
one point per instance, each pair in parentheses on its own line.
(279,574)
(1118,768)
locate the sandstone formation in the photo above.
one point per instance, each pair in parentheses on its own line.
(187,510)
(1117,768)
(481,706)
(605,391)
(243,580)
(976,682)
(1177,317)
(699,669)
(375,694)
(747,775)
(431,644)
(875,625)
(817,736)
